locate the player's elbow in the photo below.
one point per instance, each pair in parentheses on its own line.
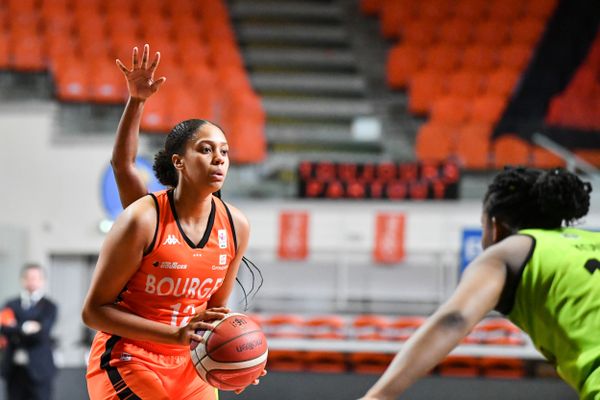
(453,320)
(88,315)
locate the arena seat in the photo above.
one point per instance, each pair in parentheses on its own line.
(434,142)
(370,7)
(402,327)
(473,146)
(460,366)
(542,158)
(286,360)
(283,326)
(325,327)
(402,61)
(452,110)
(370,363)
(510,150)
(502,367)
(369,327)
(425,86)
(325,361)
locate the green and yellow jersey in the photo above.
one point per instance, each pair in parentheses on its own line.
(557,302)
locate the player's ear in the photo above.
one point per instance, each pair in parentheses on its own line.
(499,230)
(177,161)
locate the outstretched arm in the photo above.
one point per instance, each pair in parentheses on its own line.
(141,85)
(477,294)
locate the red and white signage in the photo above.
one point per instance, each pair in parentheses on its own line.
(389,238)
(293,235)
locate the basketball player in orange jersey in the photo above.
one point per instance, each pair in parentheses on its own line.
(169,263)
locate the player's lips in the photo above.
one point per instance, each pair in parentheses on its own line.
(217,175)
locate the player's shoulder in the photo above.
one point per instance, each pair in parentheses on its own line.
(141,213)
(239,219)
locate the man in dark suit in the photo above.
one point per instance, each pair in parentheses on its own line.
(27,365)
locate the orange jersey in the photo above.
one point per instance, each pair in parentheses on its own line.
(177,276)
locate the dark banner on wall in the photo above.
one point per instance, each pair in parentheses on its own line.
(395,181)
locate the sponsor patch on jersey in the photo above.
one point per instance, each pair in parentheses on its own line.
(125,357)
(222,259)
(222,234)
(169,265)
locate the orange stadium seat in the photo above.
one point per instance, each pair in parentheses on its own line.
(435,10)
(286,360)
(478,57)
(106,83)
(325,327)
(283,326)
(527,31)
(393,15)
(325,361)
(464,83)
(425,86)
(515,56)
(401,328)
(28,53)
(505,11)
(460,366)
(487,108)
(156,117)
(540,8)
(72,83)
(369,327)
(434,142)
(491,33)
(450,110)
(442,58)
(370,7)
(509,149)
(502,367)
(501,82)
(419,32)
(456,32)
(473,146)
(402,62)
(4,50)
(471,10)
(370,363)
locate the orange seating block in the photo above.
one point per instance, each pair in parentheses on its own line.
(283,326)
(369,327)
(509,149)
(515,56)
(325,361)
(491,33)
(156,117)
(72,83)
(325,327)
(286,360)
(473,146)
(460,366)
(478,57)
(401,328)
(465,83)
(456,31)
(526,31)
(502,367)
(501,82)
(425,87)
(471,10)
(450,110)
(434,142)
(403,61)
(442,58)
(370,7)
(419,32)
(487,108)
(370,363)
(393,14)
(540,8)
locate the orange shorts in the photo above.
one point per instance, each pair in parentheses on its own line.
(121,369)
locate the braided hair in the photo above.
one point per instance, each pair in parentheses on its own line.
(167,175)
(532,198)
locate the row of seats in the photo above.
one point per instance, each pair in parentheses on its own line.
(376,363)
(79,40)
(460,62)
(578,105)
(491,331)
(471,146)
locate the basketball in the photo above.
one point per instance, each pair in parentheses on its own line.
(233,354)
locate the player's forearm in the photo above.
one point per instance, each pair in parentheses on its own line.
(421,353)
(126,142)
(115,320)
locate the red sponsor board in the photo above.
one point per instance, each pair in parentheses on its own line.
(293,235)
(389,238)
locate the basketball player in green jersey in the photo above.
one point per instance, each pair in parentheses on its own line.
(542,274)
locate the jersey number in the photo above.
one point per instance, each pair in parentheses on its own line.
(188,310)
(592,265)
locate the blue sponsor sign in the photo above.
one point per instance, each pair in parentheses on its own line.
(470,248)
(110,192)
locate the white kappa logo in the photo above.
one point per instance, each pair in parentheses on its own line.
(171,239)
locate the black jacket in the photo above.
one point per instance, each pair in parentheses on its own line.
(38,345)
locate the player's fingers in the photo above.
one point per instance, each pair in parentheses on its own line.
(155,62)
(194,337)
(212,315)
(157,83)
(122,66)
(134,57)
(263,373)
(200,325)
(224,310)
(145,55)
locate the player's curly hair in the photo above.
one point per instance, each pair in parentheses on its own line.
(175,144)
(533,198)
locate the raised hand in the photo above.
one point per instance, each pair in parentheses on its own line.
(140,78)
